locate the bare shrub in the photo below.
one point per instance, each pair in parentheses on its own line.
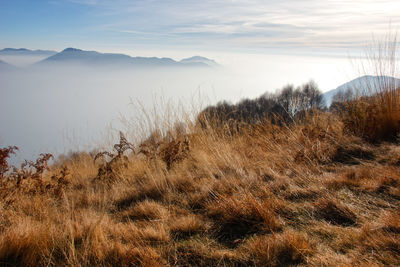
(283,107)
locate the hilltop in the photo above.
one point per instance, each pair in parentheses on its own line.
(320,188)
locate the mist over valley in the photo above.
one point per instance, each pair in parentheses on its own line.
(77,99)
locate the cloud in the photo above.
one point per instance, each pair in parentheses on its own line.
(250,23)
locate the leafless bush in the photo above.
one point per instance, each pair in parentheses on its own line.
(283,107)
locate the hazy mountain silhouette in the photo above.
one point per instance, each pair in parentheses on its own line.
(363,85)
(96,59)
(26,52)
(201,60)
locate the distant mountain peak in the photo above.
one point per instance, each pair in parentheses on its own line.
(71,49)
(199,60)
(366,84)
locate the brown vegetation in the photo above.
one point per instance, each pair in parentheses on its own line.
(308,193)
(315,191)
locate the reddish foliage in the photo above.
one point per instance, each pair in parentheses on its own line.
(4,155)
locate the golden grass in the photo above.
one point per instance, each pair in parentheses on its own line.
(306,194)
(374,114)
(284,249)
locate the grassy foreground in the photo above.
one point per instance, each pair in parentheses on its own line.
(314,193)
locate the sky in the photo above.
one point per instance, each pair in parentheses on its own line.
(329,27)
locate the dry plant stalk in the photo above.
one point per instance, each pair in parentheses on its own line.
(117,159)
(4,155)
(374,113)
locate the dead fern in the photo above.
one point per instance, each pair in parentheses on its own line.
(175,151)
(169,149)
(151,146)
(59,181)
(4,155)
(40,165)
(117,159)
(32,169)
(35,169)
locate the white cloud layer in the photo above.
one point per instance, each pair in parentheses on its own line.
(248,24)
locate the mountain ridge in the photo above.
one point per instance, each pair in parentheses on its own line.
(200,59)
(366,84)
(90,58)
(24,52)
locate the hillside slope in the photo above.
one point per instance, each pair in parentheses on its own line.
(308,194)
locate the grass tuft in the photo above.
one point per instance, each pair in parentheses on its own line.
(336,213)
(240,216)
(288,248)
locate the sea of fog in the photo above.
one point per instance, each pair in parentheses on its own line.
(60,109)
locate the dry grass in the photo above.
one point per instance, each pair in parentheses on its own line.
(374,118)
(322,191)
(374,114)
(289,248)
(305,194)
(184,227)
(146,210)
(236,217)
(334,212)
